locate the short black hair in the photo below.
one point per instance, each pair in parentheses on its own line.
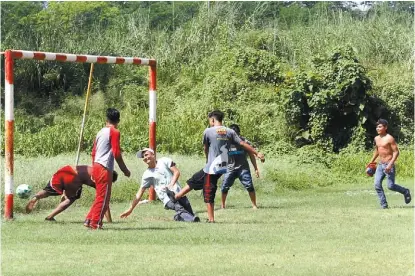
(113,116)
(114,176)
(382,122)
(236,128)
(217,115)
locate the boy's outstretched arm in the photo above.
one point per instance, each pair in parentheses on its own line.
(250,149)
(134,203)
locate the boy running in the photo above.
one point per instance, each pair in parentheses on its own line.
(387,151)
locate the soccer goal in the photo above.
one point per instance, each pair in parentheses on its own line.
(11,55)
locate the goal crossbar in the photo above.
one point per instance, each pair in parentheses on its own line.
(11,55)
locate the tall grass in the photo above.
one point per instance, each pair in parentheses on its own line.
(195,71)
(381,37)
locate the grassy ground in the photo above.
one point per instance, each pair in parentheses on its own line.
(335,230)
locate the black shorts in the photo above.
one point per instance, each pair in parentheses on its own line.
(207,182)
(51,192)
(210,186)
(197,180)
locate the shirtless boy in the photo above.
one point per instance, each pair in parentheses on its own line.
(387,151)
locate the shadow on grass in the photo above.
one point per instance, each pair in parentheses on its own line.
(142,228)
(403,207)
(236,207)
(264,207)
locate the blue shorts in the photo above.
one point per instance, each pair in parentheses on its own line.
(244,176)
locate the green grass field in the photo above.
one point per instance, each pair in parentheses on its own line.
(334,230)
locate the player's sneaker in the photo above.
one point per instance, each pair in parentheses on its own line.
(87,222)
(50,219)
(171,195)
(407,196)
(196,219)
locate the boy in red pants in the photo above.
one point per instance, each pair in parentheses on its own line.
(106,148)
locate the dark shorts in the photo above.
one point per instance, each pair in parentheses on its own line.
(207,182)
(197,180)
(52,192)
(210,186)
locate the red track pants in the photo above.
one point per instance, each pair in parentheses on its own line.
(103,181)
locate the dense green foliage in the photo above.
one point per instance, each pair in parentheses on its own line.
(292,74)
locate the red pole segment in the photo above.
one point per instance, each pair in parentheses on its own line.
(9,127)
(152,117)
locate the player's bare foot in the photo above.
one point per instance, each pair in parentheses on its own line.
(223,207)
(254,207)
(31,205)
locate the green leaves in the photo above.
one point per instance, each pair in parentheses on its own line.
(327,101)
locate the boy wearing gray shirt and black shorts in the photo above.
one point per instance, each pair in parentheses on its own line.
(217,140)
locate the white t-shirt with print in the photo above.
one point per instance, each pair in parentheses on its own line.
(160,177)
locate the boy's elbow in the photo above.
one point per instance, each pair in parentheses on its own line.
(117,155)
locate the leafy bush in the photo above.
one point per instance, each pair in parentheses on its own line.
(327,103)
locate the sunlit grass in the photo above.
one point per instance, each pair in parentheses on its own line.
(334,230)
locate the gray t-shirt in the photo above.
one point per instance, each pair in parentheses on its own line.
(238,157)
(219,139)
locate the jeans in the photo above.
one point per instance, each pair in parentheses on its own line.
(390,178)
(244,176)
(183,209)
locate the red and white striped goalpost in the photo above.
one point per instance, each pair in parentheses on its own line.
(10,55)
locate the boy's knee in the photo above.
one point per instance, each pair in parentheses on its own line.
(250,189)
(225,190)
(378,185)
(391,186)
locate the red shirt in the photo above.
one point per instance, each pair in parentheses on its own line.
(64,176)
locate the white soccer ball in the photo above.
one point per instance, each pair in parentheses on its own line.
(23,191)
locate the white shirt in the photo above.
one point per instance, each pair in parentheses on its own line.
(160,178)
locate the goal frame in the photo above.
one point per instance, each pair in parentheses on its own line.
(11,55)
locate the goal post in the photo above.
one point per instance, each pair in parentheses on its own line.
(11,55)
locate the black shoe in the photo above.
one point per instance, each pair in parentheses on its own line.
(385,207)
(50,219)
(171,195)
(407,196)
(197,219)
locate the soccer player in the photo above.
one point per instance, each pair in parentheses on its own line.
(387,151)
(216,140)
(67,179)
(238,167)
(163,175)
(106,148)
